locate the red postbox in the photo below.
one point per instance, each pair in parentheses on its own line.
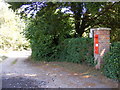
(96,44)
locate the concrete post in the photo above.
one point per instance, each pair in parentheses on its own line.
(101,44)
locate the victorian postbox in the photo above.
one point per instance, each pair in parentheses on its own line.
(96,44)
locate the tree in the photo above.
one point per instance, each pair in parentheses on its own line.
(10,27)
(49,25)
(46,32)
(111,19)
(85,15)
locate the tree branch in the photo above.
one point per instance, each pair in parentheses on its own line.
(101,13)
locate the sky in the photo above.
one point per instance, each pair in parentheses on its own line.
(42,4)
(39,5)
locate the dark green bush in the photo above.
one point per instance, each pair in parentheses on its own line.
(45,34)
(111,66)
(76,50)
(42,49)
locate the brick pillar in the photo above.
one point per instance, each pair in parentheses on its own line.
(103,35)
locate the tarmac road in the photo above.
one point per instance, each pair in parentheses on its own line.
(17,72)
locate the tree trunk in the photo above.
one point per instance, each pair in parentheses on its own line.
(77,10)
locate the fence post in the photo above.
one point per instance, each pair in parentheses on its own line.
(101,44)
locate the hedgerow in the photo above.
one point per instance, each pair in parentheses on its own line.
(111,66)
(76,50)
(45,34)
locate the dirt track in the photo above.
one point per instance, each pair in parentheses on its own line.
(18,72)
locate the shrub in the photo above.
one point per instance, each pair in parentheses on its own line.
(76,50)
(48,40)
(42,49)
(10,28)
(45,34)
(111,67)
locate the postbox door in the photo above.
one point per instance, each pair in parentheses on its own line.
(96,44)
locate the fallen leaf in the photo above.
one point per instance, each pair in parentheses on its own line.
(87,76)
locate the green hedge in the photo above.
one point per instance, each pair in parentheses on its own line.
(45,36)
(76,50)
(42,49)
(111,66)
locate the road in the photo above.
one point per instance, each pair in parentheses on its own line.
(19,72)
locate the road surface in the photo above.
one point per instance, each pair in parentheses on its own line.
(18,72)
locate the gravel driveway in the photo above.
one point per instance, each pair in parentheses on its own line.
(17,72)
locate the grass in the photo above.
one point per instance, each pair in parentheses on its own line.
(2,58)
(14,62)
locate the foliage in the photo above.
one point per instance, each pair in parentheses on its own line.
(85,15)
(76,50)
(111,19)
(10,27)
(16,5)
(45,34)
(111,66)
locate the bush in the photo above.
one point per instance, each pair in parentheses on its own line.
(45,34)
(42,49)
(10,28)
(48,40)
(111,66)
(76,50)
